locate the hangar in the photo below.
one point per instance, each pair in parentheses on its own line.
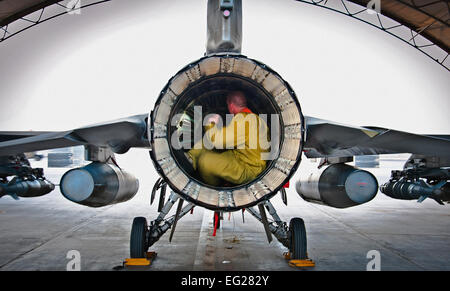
(424,22)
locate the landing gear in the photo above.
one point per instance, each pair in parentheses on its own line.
(138,239)
(292,237)
(297,234)
(143,236)
(276,227)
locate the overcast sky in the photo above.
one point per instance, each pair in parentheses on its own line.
(113,59)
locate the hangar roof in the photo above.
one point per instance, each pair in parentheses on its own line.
(431,18)
(11,10)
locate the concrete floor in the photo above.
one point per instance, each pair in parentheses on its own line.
(37,233)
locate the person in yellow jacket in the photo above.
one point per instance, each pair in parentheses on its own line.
(244,139)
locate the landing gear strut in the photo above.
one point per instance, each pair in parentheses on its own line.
(292,237)
(143,236)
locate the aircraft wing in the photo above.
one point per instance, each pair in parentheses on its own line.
(119,135)
(329,139)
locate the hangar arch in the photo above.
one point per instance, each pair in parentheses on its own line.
(423,24)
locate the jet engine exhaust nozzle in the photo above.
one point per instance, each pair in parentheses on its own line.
(203,86)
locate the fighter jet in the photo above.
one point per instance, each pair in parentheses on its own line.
(205,82)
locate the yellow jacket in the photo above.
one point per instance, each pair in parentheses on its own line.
(246,136)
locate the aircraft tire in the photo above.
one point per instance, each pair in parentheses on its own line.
(138,240)
(297,239)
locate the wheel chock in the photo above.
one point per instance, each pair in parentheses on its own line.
(302,263)
(141,262)
(298,263)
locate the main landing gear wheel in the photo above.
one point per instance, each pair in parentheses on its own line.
(297,239)
(138,239)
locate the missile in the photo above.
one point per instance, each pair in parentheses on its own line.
(19,187)
(420,190)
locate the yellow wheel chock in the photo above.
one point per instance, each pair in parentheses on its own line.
(147,261)
(298,263)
